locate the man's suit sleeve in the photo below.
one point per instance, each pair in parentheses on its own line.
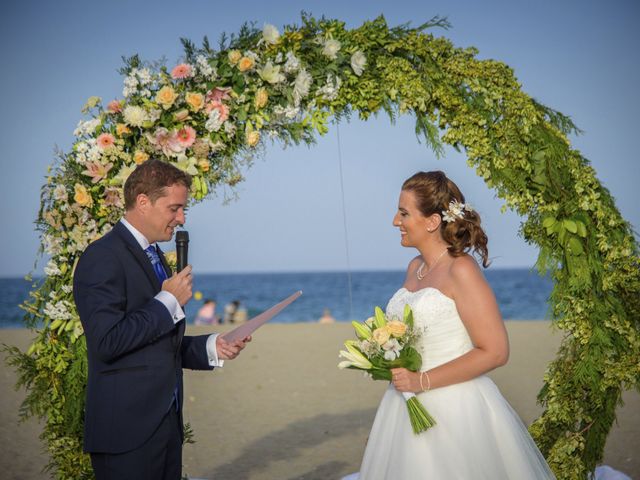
(100,293)
(194,353)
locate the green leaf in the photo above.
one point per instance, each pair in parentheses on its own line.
(575,246)
(548,222)
(570,225)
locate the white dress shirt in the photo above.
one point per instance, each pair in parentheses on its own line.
(170,301)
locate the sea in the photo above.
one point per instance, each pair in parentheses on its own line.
(521,293)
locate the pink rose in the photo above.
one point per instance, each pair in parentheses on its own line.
(183,70)
(114,106)
(186,136)
(105,140)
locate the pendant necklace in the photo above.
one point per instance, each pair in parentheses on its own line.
(421,275)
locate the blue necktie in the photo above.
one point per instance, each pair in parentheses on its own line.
(152,253)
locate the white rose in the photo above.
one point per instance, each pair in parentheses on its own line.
(271,73)
(270,34)
(134,115)
(331,48)
(358,62)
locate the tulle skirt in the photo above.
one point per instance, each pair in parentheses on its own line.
(477,436)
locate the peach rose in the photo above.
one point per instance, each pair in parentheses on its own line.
(122,129)
(234,56)
(381,335)
(166,96)
(195,101)
(262,97)
(82,196)
(253,138)
(396,328)
(140,157)
(105,140)
(204,165)
(245,63)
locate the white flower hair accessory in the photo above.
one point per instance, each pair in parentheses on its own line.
(456,210)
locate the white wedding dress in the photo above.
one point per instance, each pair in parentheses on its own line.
(477,434)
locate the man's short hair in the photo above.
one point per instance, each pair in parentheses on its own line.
(151,178)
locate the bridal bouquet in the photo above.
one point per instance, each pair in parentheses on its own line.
(384,344)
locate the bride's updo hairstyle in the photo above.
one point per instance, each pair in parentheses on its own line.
(460,226)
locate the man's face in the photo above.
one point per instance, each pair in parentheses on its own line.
(161,217)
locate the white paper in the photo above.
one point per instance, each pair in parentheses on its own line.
(256,322)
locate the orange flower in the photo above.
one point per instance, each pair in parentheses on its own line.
(140,157)
(166,96)
(195,101)
(122,129)
(245,63)
(204,165)
(82,196)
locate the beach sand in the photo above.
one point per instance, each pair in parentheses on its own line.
(283,410)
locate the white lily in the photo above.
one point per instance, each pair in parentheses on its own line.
(354,358)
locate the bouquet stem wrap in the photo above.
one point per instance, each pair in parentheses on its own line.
(420,419)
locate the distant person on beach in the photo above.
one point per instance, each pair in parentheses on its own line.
(231,310)
(326,317)
(477,433)
(207,313)
(130,306)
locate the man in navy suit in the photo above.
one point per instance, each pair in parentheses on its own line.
(130,307)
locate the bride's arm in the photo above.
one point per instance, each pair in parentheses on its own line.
(479,312)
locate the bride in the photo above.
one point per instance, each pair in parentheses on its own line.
(477,434)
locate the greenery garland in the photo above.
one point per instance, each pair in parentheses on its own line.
(210,115)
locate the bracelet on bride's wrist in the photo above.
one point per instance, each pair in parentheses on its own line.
(428,382)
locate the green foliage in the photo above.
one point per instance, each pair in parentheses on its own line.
(516,144)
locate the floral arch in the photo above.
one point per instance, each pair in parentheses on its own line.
(209,114)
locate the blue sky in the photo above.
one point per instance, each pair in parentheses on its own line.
(575,56)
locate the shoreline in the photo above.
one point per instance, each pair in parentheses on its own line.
(284,410)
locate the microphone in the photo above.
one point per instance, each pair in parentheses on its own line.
(182,249)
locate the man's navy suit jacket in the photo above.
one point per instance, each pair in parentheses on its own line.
(135,351)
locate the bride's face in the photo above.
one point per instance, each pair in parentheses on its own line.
(413,225)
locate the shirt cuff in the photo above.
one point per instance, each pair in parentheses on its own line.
(212,353)
(169,301)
